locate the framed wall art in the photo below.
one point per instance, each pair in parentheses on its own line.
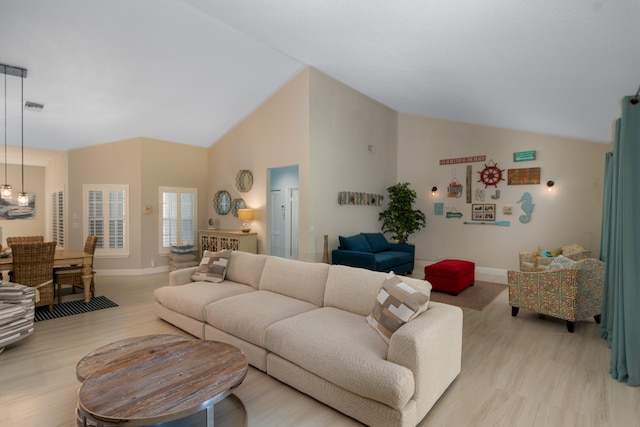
(483,212)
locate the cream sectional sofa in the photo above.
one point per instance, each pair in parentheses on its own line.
(305,325)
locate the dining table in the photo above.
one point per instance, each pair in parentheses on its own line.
(66,258)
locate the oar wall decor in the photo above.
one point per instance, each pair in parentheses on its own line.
(500,223)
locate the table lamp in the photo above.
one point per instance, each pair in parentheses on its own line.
(245,215)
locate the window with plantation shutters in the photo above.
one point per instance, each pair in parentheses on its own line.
(107,217)
(57,217)
(178,216)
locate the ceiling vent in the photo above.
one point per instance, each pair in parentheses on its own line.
(33,106)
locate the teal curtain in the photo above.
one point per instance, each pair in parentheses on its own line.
(620,247)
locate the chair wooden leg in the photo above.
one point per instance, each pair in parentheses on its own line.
(50,308)
(514,311)
(571,326)
(597,318)
(59,293)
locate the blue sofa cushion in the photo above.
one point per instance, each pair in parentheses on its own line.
(377,241)
(355,243)
(388,259)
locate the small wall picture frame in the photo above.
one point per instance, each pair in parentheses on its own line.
(483,212)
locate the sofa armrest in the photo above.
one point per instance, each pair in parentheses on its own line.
(181,276)
(527,261)
(354,259)
(431,347)
(404,247)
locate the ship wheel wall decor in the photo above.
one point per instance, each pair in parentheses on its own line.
(491,174)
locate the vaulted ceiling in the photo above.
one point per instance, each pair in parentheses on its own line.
(189,70)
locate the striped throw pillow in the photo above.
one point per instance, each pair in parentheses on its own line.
(213,267)
(397,303)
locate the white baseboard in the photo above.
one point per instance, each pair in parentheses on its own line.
(134,272)
(484,274)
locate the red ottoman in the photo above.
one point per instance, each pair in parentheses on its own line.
(450,275)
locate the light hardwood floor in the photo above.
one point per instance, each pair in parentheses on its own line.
(524,371)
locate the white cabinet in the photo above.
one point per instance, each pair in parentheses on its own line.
(217,240)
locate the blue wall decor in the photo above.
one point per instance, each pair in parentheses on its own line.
(527,206)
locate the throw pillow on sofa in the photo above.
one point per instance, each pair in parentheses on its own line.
(396,304)
(355,243)
(212,267)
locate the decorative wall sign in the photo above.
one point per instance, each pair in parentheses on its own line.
(357,198)
(483,212)
(453,213)
(524,156)
(469,171)
(469,159)
(491,174)
(438,208)
(527,206)
(454,189)
(523,176)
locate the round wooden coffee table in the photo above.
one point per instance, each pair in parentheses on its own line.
(158,379)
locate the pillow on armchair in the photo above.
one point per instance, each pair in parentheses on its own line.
(377,242)
(355,243)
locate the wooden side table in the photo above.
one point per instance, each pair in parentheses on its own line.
(158,379)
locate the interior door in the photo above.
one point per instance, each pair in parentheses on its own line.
(277,226)
(292,224)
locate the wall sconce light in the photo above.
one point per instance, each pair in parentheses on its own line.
(550,185)
(245,215)
(434,191)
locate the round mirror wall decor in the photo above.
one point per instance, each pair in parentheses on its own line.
(244,180)
(237,204)
(222,202)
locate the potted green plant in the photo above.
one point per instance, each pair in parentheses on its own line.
(400,218)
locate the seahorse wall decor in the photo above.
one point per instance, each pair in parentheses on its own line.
(527,206)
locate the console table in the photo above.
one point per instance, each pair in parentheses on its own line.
(217,240)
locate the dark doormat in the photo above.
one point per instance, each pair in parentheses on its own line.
(70,308)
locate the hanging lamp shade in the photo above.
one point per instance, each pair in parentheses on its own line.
(5,189)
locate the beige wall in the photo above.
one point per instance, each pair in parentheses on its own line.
(33,184)
(325,128)
(171,165)
(275,135)
(145,165)
(344,123)
(572,213)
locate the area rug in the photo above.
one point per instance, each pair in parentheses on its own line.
(70,308)
(477,297)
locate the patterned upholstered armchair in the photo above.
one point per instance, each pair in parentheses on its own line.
(572,293)
(17,305)
(540,260)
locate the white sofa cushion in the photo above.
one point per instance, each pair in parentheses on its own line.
(352,289)
(245,268)
(298,279)
(341,347)
(192,298)
(249,315)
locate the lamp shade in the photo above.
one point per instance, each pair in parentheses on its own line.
(245,214)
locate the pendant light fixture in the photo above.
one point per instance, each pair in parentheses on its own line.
(23,198)
(5,189)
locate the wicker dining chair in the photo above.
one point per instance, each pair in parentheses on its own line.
(24,239)
(72,276)
(33,266)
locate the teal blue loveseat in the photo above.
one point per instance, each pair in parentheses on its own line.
(373,252)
